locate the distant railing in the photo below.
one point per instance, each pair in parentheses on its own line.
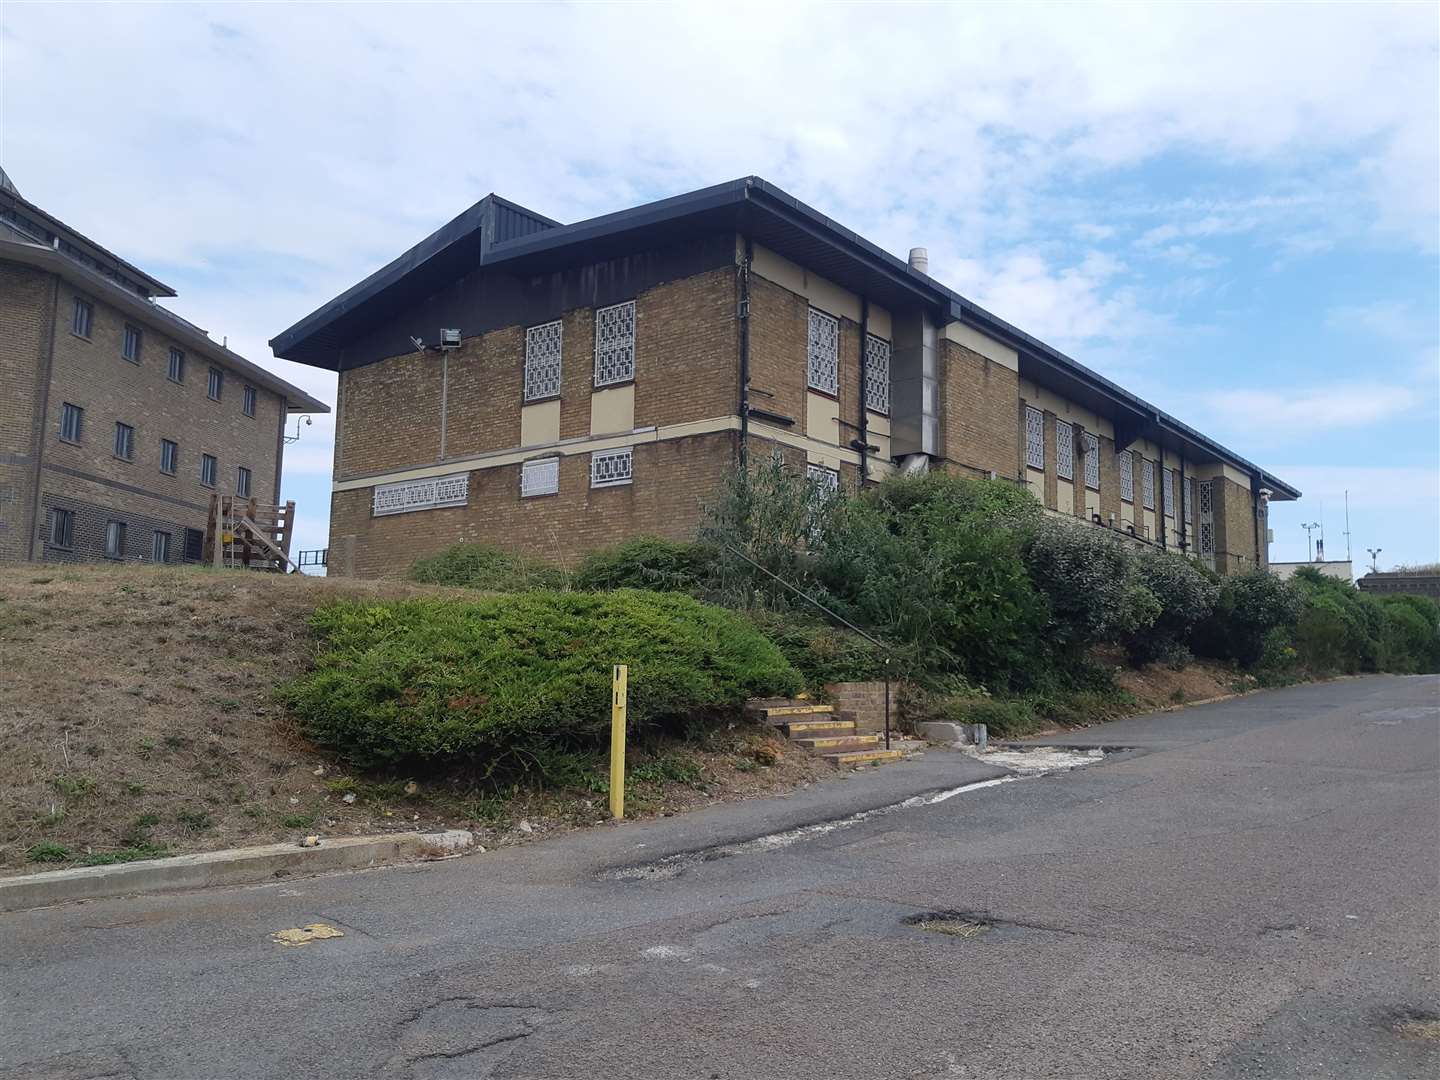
(317,557)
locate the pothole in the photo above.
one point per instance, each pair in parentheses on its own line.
(959,924)
(1038,760)
(1419,1024)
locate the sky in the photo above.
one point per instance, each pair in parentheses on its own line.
(1230,209)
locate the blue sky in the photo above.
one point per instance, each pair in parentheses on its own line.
(1230,209)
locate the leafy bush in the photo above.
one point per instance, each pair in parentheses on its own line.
(647,562)
(1248,607)
(1092,581)
(516,677)
(1003,718)
(491,569)
(820,652)
(1411,636)
(1185,594)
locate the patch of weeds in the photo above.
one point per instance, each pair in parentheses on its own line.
(94,749)
(48,851)
(138,832)
(342,785)
(123,855)
(669,768)
(126,588)
(175,742)
(227,704)
(135,691)
(297,821)
(489,809)
(745,764)
(50,820)
(195,820)
(254,812)
(144,748)
(41,580)
(1177,696)
(134,787)
(77,786)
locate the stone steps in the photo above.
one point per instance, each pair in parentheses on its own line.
(820,730)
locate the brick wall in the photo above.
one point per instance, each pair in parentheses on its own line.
(865,703)
(93,508)
(27,299)
(1234,527)
(978,409)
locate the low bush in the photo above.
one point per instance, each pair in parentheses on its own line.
(1411,636)
(514,678)
(487,568)
(1093,583)
(1248,608)
(1185,595)
(647,562)
(821,653)
(1005,718)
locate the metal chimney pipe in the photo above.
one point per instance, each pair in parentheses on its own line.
(920,260)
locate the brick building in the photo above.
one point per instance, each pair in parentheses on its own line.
(118,419)
(602,377)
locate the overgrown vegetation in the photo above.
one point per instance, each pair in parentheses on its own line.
(480,566)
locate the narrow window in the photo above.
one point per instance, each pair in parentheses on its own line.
(611,468)
(1127,476)
(540,477)
(1034,438)
(1147,483)
(615,344)
(124,441)
(247,401)
(72,422)
(242,482)
(1092,460)
(1167,477)
(62,528)
(160,547)
(194,545)
(1064,450)
(130,349)
(176,371)
(84,315)
(114,539)
(216,385)
(169,456)
(542,361)
(1185,498)
(208,468)
(877,374)
(822,360)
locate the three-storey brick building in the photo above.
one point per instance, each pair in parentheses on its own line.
(118,419)
(553,387)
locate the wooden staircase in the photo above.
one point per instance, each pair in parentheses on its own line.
(248,535)
(821,730)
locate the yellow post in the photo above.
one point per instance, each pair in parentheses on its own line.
(620,678)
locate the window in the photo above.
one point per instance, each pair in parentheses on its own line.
(82,318)
(432,494)
(825,480)
(194,545)
(169,456)
(1091,443)
(822,364)
(1185,498)
(540,477)
(1167,477)
(124,441)
(62,528)
(114,539)
(1064,450)
(217,384)
(247,401)
(208,469)
(611,468)
(542,361)
(615,344)
(1127,476)
(176,372)
(130,349)
(242,482)
(160,546)
(877,374)
(1034,438)
(1147,484)
(72,421)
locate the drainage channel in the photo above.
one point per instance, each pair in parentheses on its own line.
(1027,764)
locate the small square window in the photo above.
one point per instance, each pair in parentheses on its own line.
(540,477)
(72,422)
(247,401)
(209,468)
(242,482)
(611,468)
(216,385)
(160,547)
(83,316)
(62,528)
(134,339)
(169,456)
(115,539)
(124,441)
(176,372)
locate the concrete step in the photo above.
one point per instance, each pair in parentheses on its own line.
(862,757)
(800,729)
(779,714)
(829,743)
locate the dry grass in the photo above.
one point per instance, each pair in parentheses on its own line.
(137,715)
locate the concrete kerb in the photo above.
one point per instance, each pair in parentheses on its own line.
(236,866)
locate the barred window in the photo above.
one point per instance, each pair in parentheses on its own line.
(1064,450)
(124,441)
(72,422)
(62,528)
(822,366)
(1034,438)
(542,361)
(169,453)
(877,374)
(429,494)
(615,344)
(1167,477)
(1185,498)
(131,347)
(611,468)
(540,477)
(115,539)
(160,546)
(1147,483)
(82,318)
(176,372)
(1092,460)
(242,482)
(209,467)
(826,480)
(1127,475)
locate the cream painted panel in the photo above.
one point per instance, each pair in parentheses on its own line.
(877,423)
(1147,519)
(1035,481)
(612,410)
(1065,496)
(540,424)
(823,293)
(986,346)
(1216,471)
(821,456)
(821,419)
(880,324)
(882,445)
(1092,503)
(1042,398)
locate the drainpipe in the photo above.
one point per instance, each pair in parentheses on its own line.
(743,314)
(1180,511)
(444,396)
(864,387)
(280,445)
(42,425)
(1160,480)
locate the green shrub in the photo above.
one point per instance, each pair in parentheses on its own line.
(1005,718)
(1339,628)
(516,677)
(491,569)
(1411,634)
(48,851)
(647,562)
(1093,583)
(1248,608)
(821,653)
(1185,595)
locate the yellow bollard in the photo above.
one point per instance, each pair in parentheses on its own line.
(620,679)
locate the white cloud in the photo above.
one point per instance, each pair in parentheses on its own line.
(1394,320)
(1310,410)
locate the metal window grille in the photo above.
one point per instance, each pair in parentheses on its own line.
(247,401)
(1092,460)
(72,421)
(194,545)
(1147,484)
(822,365)
(615,344)
(216,385)
(1206,531)
(114,539)
(540,477)
(124,441)
(1064,450)
(81,320)
(1167,478)
(208,468)
(1127,475)
(62,528)
(825,480)
(160,546)
(242,482)
(429,494)
(169,453)
(611,468)
(1034,438)
(542,361)
(1185,498)
(877,374)
(176,372)
(131,348)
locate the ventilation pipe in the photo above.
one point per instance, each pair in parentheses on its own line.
(920,260)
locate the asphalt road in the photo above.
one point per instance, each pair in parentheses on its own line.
(1250,892)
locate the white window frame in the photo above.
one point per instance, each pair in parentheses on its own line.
(174,456)
(124,441)
(615,344)
(209,464)
(822,353)
(824,478)
(432,493)
(1126,460)
(132,341)
(539,476)
(115,539)
(544,359)
(69,432)
(248,401)
(62,528)
(1147,484)
(83,319)
(1092,460)
(1034,438)
(160,546)
(215,384)
(877,374)
(612,468)
(243,482)
(1167,490)
(1064,450)
(175,368)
